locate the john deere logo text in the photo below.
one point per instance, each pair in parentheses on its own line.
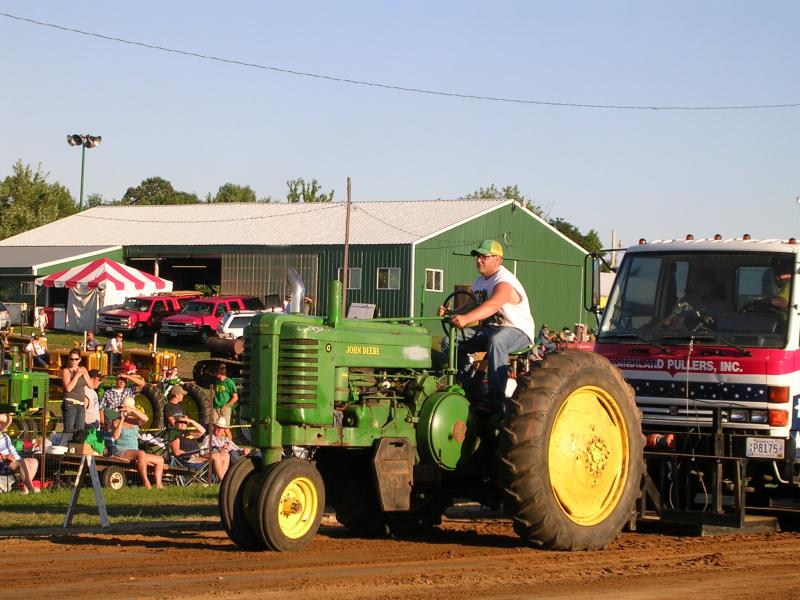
(368,350)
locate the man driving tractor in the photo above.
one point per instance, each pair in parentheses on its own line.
(505,323)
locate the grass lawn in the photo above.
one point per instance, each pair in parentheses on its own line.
(128,505)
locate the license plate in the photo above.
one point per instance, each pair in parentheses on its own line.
(764,448)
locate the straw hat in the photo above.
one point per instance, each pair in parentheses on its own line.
(129,403)
(222,422)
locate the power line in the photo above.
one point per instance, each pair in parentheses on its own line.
(388,86)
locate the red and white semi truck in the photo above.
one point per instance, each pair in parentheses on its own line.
(706,332)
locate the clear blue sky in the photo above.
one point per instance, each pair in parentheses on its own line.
(200,124)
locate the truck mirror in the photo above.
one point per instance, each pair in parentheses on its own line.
(596,265)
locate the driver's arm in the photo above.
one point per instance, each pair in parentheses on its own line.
(504,293)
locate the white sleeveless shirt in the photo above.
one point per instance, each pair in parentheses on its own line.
(509,315)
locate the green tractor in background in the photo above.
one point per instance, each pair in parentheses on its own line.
(349,414)
(25,394)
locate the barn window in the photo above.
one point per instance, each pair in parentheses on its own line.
(388,278)
(355,277)
(26,288)
(433,280)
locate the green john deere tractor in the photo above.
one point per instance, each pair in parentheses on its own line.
(349,414)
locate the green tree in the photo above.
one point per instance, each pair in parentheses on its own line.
(509,192)
(589,241)
(159,191)
(230,192)
(28,201)
(300,191)
(94,200)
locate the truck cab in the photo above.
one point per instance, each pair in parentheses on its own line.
(200,317)
(706,333)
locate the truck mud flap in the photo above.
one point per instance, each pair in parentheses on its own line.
(394,473)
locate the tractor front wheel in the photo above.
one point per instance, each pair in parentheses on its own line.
(570,454)
(290,505)
(233,503)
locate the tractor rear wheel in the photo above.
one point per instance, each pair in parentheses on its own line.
(290,505)
(570,454)
(156,407)
(203,400)
(233,504)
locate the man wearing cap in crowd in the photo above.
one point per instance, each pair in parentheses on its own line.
(128,384)
(174,407)
(504,315)
(91,417)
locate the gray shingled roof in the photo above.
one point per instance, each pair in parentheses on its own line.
(256,224)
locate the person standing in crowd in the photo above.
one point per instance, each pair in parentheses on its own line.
(126,425)
(504,315)
(91,344)
(225,396)
(75,379)
(11,459)
(40,321)
(113,348)
(37,352)
(91,417)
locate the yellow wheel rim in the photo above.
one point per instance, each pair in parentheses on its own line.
(588,455)
(297,508)
(143,404)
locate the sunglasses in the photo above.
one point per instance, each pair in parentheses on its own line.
(71,359)
(484,257)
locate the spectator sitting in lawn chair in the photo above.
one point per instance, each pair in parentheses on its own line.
(223,451)
(126,423)
(185,441)
(10,459)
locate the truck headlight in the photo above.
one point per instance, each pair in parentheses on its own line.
(758,416)
(738,415)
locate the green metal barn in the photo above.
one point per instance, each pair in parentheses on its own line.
(405,257)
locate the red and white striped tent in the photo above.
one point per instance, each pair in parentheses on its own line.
(97,284)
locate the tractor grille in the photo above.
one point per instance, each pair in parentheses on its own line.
(298,373)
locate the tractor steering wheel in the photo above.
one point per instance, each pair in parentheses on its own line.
(469,302)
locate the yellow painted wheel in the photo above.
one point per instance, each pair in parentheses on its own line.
(290,505)
(588,455)
(297,507)
(571,453)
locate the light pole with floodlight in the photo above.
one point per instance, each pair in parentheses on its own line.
(84,141)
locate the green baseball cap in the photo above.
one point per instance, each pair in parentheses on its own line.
(488,247)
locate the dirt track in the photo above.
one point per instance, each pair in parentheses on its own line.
(467,559)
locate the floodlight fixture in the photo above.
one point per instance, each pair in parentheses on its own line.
(84,141)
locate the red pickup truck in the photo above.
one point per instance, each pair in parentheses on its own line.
(141,314)
(199,318)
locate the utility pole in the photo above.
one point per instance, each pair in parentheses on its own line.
(346,268)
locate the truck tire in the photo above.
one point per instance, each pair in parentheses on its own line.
(138,331)
(570,453)
(203,398)
(156,399)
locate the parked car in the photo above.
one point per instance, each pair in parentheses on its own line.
(5,317)
(232,325)
(200,317)
(141,314)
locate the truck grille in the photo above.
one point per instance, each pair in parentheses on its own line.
(179,328)
(111,321)
(298,371)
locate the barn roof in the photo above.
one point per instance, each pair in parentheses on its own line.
(256,224)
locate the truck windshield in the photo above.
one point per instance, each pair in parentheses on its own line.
(198,308)
(741,298)
(137,304)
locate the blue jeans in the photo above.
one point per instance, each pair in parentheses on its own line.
(73,419)
(497,342)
